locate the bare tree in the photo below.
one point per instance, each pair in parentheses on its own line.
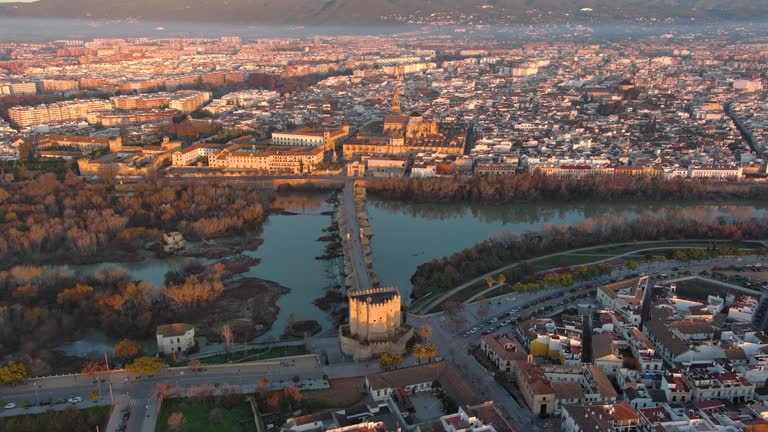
(226,334)
(176,421)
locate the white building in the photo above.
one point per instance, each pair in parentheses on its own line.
(311,137)
(732,173)
(175,338)
(747,85)
(742,308)
(191,154)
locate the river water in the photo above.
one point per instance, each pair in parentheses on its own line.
(405,235)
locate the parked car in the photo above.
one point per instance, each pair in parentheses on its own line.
(10,405)
(74,400)
(467,333)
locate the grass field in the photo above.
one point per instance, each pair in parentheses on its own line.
(563,260)
(618,250)
(699,289)
(598,253)
(203,415)
(70,420)
(237,357)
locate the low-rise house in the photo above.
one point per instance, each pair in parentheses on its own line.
(175,338)
(503,350)
(537,391)
(617,417)
(173,241)
(606,353)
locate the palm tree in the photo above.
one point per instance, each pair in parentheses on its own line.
(419,351)
(430,352)
(425,332)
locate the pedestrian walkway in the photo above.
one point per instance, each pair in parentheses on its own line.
(116,418)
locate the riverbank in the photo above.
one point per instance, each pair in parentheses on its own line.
(537,187)
(248,305)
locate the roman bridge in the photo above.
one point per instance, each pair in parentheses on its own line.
(355,236)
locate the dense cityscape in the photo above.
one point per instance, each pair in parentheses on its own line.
(449,227)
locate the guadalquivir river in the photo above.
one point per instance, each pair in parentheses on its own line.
(405,235)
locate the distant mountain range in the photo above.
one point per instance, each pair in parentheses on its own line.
(308,12)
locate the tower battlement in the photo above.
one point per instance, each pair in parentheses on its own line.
(378,296)
(375,323)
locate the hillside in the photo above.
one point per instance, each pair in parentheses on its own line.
(372,11)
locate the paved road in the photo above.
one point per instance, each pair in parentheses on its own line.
(140,395)
(426,307)
(359,265)
(453,346)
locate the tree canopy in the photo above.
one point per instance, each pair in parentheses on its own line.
(145,366)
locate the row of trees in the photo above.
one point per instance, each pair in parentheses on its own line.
(539,187)
(448,272)
(47,220)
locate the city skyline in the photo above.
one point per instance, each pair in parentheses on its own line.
(443,216)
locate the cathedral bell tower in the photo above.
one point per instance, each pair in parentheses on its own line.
(396,102)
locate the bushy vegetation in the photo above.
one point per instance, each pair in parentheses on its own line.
(50,303)
(68,420)
(539,187)
(448,272)
(46,220)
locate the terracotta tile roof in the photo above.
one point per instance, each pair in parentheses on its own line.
(659,330)
(534,376)
(693,326)
(602,347)
(604,386)
(567,390)
(170,330)
(444,372)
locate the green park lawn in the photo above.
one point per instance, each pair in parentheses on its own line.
(698,289)
(203,415)
(618,250)
(69,420)
(255,355)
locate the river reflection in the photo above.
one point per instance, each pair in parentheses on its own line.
(407,234)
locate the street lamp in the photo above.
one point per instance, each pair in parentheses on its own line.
(109,379)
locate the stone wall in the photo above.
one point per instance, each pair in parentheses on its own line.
(372,321)
(366,351)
